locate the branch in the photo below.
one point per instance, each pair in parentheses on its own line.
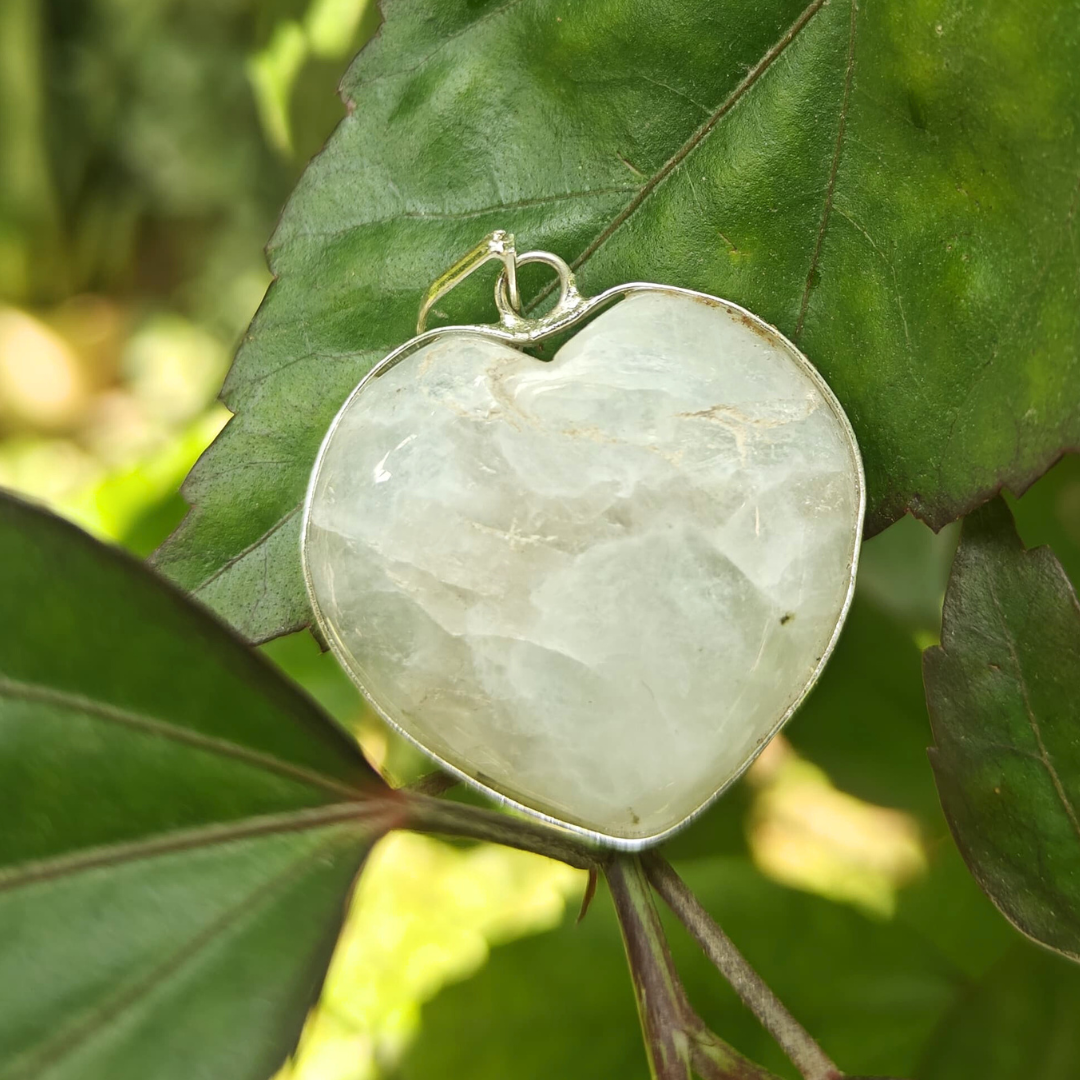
(423,813)
(661,1001)
(678,1042)
(793,1038)
(433,783)
(676,1039)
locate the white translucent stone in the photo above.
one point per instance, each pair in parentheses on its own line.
(596,585)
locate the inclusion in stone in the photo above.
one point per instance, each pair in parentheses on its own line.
(595,586)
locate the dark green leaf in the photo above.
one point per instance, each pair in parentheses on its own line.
(1049,513)
(865,723)
(1017,1023)
(950,911)
(894,187)
(904,571)
(1004,697)
(561,1005)
(181,827)
(721,830)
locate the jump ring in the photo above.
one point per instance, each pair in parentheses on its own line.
(504,299)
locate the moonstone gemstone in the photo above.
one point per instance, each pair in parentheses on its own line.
(596,586)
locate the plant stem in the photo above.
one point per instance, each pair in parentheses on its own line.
(661,1000)
(793,1038)
(423,813)
(433,783)
(677,1041)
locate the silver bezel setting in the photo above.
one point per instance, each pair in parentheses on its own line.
(570,310)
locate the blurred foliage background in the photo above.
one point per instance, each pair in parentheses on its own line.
(146,149)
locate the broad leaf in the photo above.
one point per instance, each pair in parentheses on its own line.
(1049,513)
(865,723)
(721,830)
(904,570)
(894,186)
(181,827)
(949,910)
(1004,696)
(561,1004)
(1017,1023)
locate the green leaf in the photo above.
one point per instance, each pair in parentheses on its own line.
(950,911)
(561,1004)
(894,186)
(721,830)
(1017,1023)
(1004,696)
(181,827)
(865,722)
(904,570)
(1049,513)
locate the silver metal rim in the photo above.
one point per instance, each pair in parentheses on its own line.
(568,311)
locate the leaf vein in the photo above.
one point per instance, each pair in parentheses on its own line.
(888,262)
(254,545)
(830,188)
(677,92)
(84,1027)
(249,383)
(680,155)
(152,725)
(1033,722)
(457,215)
(379,814)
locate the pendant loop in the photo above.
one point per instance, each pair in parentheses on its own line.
(569,307)
(497,245)
(567,289)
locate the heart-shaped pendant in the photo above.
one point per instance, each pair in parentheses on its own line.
(594,587)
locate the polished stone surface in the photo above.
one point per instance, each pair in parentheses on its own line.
(595,585)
